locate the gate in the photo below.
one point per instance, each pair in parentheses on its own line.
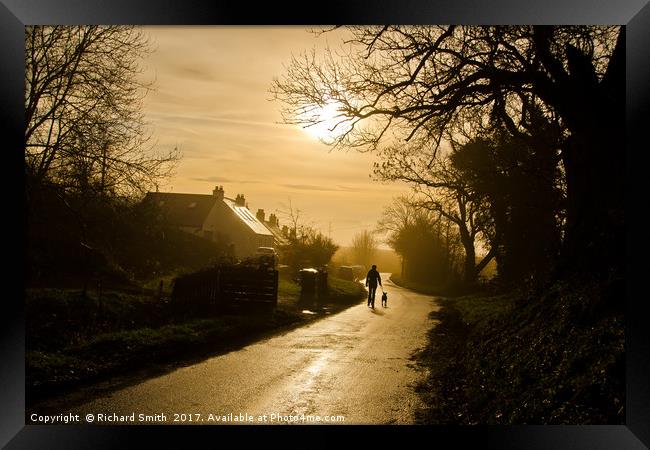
(227,286)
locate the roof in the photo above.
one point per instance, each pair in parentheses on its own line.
(280,238)
(247,217)
(191,210)
(186,210)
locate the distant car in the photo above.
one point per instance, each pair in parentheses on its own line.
(265,251)
(267,255)
(359,272)
(346,273)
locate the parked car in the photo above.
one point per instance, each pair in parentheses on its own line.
(346,273)
(359,272)
(267,256)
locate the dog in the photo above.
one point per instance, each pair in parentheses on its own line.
(384,300)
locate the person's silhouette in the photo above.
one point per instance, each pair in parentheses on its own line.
(372,279)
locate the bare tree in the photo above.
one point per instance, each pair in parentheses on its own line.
(305,244)
(399,83)
(442,188)
(364,247)
(396,215)
(83,110)
(294,216)
(421,236)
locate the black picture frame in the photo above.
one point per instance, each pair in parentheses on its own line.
(15,14)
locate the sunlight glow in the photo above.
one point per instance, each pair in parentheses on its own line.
(326,118)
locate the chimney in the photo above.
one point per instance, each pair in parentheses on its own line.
(273,220)
(285,230)
(218,192)
(240,200)
(260,215)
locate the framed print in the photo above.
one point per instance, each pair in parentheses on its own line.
(150,131)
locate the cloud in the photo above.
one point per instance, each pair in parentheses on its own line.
(209,121)
(213,179)
(311,187)
(224,180)
(212,99)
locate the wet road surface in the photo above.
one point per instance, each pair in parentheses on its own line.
(354,367)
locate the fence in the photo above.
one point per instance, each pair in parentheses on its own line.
(227,286)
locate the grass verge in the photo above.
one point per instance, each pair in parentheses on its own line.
(73,340)
(449,289)
(555,357)
(344,292)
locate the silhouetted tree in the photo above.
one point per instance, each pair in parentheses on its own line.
(522,192)
(425,241)
(364,248)
(319,248)
(87,156)
(305,246)
(398,83)
(441,188)
(396,216)
(83,111)
(308,247)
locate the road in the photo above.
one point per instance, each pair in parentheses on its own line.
(355,365)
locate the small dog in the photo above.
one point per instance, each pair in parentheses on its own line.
(384,300)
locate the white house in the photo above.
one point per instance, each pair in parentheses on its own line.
(217,218)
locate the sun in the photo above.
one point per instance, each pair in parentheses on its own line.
(329,122)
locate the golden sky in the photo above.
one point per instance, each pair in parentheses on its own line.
(212,100)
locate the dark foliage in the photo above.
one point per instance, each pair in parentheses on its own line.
(557,358)
(519,183)
(74,241)
(307,248)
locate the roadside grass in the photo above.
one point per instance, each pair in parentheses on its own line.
(288,292)
(57,318)
(449,289)
(153,284)
(476,309)
(543,357)
(72,339)
(418,287)
(344,291)
(115,352)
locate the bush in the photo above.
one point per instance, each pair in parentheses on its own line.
(81,240)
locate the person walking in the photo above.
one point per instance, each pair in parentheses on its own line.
(372,279)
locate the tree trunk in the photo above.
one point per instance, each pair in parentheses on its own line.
(485,261)
(594,159)
(594,239)
(469,273)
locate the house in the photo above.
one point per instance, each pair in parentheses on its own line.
(273,224)
(215,217)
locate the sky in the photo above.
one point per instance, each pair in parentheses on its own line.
(211,99)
